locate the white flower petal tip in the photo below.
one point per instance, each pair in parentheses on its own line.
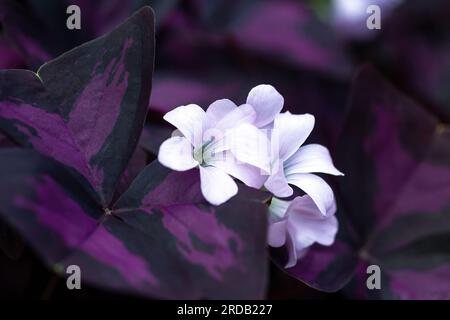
(218,110)
(267,102)
(290,132)
(176,153)
(311,158)
(244,114)
(216,185)
(189,120)
(295,256)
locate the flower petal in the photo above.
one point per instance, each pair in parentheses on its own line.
(248,174)
(311,158)
(176,154)
(306,206)
(189,120)
(243,114)
(277,183)
(267,103)
(324,232)
(218,110)
(294,253)
(249,145)
(217,186)
(291,131)
(276,233)
(316,188)
(308,225)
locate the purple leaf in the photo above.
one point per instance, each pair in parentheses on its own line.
(325,268)
(9,57)
(394,202)
(35,38)
(86,108)
(161,239)
(137,162)
(415,51)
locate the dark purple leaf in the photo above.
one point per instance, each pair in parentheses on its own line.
(137,162)
(161,239)
(325,268)
(22,33)
(6,141)
(86,108)
(11,244)
(395,198)
(9,57)
(414,48)
(28,29)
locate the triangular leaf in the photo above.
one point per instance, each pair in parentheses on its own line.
(394,199)
(86,108)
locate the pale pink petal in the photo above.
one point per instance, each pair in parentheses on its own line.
(240,115)
(218,110)
(248,174)
(189,120)
(249,145)
(217,186)
(176,154)
(307,224)
(276,234)
(277,183)
(290,132)
(267,103)
(292,252)
(309,159)
(316,188)
(306,206)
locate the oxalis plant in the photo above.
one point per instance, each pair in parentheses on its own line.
(183,228)
(231,188)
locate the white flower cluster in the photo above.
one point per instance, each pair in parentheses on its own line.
(260,146)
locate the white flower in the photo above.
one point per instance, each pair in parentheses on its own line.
(294,164)
(298,224)
(267,103)
(229,141)
(221,141)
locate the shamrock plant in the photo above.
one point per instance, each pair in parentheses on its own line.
(82,114)
(189,232)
